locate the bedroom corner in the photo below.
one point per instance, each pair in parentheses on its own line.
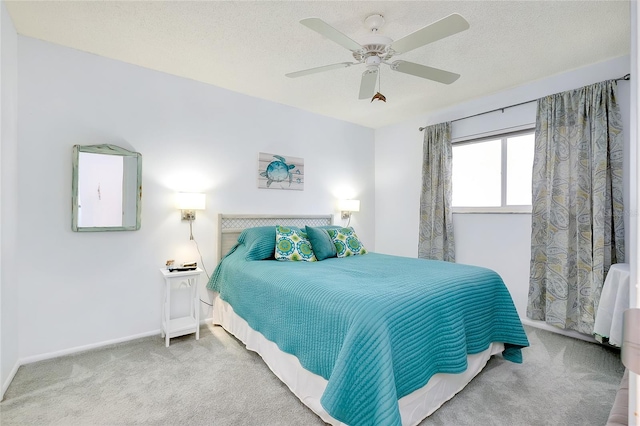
(9,218)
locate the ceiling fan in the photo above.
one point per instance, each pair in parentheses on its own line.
(378,49)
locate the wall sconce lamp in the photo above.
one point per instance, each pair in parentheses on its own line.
(189,202)
(347,207)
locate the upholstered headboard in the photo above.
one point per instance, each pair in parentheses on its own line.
(231,225)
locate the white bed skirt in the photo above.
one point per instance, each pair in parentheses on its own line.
(309,387)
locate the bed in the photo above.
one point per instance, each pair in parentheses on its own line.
(362,340)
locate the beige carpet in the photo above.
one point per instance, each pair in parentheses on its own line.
(216,381)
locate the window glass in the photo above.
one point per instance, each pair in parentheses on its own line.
(519,166)
(476,174)
(482,178)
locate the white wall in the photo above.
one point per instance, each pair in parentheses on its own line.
(9,286)
(497,241)
(85,288)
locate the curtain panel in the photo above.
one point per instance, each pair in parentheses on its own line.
(577,214)
(436,221)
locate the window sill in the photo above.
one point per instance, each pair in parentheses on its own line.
(496,210)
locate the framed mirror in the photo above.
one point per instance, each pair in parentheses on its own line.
(106,189)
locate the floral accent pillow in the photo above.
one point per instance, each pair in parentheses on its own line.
(293,244)
(347,242)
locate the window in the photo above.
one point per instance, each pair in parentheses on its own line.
(493,174)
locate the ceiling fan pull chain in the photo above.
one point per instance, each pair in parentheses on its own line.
(379,96)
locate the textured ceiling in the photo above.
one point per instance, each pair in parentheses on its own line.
(248,47)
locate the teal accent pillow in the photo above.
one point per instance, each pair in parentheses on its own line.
(293,244)
(321,243)
(347,242)
(260,242)
(327,227)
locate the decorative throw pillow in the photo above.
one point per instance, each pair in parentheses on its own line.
(321,243)
(293,244)
(346,242)
(260,242)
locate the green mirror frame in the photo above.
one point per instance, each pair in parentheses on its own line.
(131,186)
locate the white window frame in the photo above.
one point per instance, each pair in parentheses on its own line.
(503,208)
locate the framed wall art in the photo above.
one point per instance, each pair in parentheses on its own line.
(276,171)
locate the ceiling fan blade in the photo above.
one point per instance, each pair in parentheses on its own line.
(326,30)
(424,71)
(445,27)
(368,84)
(320,69)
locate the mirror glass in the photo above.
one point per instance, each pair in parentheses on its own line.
(107,188)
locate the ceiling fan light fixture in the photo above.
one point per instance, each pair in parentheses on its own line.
(372,63)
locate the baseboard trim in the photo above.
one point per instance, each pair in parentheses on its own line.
(77,349)
(84,348)
(569,333)
(7,382)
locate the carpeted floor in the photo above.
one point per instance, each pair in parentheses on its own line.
(216,381)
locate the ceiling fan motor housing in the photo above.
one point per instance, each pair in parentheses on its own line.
(374,45)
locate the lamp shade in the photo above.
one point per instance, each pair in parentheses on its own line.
(190,201)
(349,205)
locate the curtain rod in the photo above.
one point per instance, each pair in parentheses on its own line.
(626,77)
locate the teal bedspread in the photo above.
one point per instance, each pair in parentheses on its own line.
(376,327)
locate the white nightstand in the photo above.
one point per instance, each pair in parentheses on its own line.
(184,325)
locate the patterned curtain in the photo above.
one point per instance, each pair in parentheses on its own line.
(577,219)
(436,222)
